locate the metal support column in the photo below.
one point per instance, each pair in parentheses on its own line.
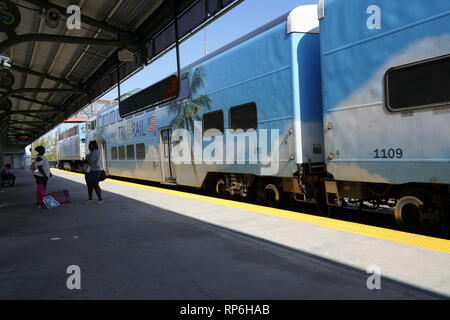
(177,40)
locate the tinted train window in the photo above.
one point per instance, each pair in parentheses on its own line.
(184,88)
(114,153)
(213,120)
(119,119)
(140,151)
(424,84)
(121,153)
(112,117)
(130,152)
(244,117)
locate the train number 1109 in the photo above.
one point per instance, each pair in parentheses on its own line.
(388,153)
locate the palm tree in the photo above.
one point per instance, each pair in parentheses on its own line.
(188,112)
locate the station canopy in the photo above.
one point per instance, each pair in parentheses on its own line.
(49,71)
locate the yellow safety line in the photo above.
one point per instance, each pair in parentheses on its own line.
(346,226)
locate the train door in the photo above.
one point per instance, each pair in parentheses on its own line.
(103,156)
(166,150)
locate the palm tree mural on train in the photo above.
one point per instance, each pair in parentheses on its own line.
(188,112)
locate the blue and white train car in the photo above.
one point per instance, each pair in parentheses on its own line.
(71,148)
(386,89)
(269,79)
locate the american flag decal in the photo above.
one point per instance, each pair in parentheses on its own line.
(151,124)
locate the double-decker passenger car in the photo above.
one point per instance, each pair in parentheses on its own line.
(71,148)
(386,90)
(266,85)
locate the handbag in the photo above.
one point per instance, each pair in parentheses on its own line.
(62,196)
(103,176)
(50,202)
(33,166)
(86,167)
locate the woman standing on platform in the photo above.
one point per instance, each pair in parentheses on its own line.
(41,174)
(94,171)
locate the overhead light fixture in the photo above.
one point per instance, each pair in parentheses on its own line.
(52,18)
(125,55)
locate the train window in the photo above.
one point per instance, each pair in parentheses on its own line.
(419,85)
(184,88)
(140,151)
(119,119)
(93,124)
(213,120)
(130,152)
(244,117)
(114,153)
(105,120)
(121,150)
(159,93)
(112,117)
(72,132)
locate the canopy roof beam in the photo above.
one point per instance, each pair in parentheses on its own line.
(10,93)
(34,101)
(10,42)
(30,115)
(37,111)
(42,75)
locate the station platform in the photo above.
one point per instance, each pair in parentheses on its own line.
(153,243)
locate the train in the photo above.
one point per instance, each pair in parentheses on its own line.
(344,103)
(71,148)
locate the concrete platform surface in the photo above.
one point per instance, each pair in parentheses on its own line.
(148,244)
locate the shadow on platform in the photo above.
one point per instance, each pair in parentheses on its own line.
(128,249)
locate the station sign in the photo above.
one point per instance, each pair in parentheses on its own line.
(23,137)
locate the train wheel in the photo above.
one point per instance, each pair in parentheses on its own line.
(271,195)
(412,210)
(220,188)
(407,212)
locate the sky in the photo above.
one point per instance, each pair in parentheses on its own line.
(246,17)
(243,19)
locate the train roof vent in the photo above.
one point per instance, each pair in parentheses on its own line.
(304,19)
